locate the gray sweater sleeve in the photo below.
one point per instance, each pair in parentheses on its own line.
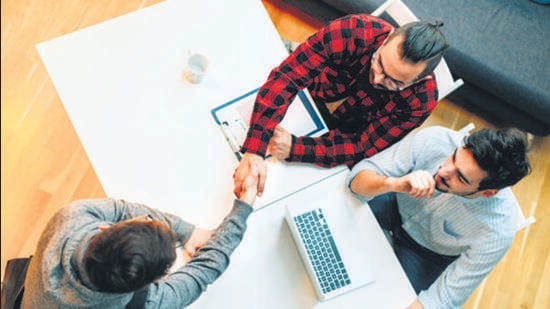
(184,285)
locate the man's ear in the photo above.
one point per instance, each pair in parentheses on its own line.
(103,227)
(488,192)
(388,37)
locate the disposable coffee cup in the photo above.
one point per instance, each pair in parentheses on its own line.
(195,68)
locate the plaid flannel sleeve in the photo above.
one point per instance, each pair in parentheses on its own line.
(335,147)
(297,72)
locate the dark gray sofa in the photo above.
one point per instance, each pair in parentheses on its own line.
(500,48)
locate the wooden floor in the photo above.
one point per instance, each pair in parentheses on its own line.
(44,165)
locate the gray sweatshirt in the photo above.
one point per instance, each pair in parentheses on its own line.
(56,277)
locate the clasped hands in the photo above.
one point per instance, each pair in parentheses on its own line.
(279,147)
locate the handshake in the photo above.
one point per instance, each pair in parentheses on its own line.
(249,178)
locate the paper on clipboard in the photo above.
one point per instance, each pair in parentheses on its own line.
(301,119)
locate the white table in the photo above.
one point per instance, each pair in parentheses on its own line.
(151,138)
(266,270)
(147,132)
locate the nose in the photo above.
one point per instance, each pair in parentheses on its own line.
(447,170)
(378,78)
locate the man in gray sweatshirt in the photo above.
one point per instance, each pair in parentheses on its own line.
(97,253)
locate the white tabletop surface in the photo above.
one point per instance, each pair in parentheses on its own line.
(151,139)
(147,132)
(266,270)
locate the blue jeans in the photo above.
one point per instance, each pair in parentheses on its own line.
(421,265)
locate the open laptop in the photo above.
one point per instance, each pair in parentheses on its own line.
(333,253)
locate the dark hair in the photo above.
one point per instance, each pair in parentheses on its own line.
(130,255)
(502,154)
(423,42)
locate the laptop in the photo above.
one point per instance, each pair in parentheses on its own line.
(329,243)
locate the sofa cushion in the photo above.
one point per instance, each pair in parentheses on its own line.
(500,47)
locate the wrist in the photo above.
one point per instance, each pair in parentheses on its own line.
(248,197)
(389,183)
(253,156)
(241,207)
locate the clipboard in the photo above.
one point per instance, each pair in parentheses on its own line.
(233,117)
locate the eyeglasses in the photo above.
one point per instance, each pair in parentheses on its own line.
(387,82)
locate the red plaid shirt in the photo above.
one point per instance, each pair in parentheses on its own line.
(333,64)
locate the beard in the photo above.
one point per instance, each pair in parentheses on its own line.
(437,185)
(438,188)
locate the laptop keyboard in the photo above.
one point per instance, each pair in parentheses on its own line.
(321,249)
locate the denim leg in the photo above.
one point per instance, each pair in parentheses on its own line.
(421,265)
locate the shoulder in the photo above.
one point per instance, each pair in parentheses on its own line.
(439,132)
(85,205)
(84,212)
(507,211)
(501,215)
(366,20)
(358,23)
(422,96)
(430,145)
(438,137)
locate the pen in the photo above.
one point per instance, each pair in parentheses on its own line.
(231,139)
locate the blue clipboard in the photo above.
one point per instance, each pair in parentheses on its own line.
(233,118)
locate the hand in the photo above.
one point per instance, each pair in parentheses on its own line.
(280,143)
(249,187)
(248,161)
(417,184)
(198,238)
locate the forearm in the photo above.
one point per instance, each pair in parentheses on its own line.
(337,147)
(313,150)
(329,150)
(226,238)
(272,102)
(281,87)
(369,183)
(185,285)
(229,233)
